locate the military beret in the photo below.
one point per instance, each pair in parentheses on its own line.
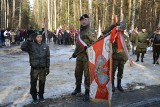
(84,16)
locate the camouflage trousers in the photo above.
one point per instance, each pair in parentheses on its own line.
(120,65)
(37,74)
(80,67)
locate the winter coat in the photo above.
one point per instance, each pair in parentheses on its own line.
(141,40)
(39,55)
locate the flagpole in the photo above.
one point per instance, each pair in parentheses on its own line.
(110,73)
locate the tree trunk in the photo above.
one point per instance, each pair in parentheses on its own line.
(129,10)
(49,15)
(113,10)
(80,6)
(90,11)
(133,14)
(55,24)
(20,15)
(68,13)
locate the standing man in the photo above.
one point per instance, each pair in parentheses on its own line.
(39,55)
(134,35)
(155,38)
(141,43)
(82,58)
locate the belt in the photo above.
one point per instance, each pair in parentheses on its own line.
(37,68)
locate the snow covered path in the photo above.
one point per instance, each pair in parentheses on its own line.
(15,75)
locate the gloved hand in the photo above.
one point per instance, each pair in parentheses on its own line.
(85,48)
(74,55)
(47,71)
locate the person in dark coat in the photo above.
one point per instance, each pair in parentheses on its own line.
(39,57)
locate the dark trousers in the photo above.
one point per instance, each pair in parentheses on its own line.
(156,52)
(37,74)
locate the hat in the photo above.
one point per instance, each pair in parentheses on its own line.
(37,33)
(84,16)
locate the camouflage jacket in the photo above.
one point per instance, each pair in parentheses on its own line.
(88,37)
(39,55)
(141,40)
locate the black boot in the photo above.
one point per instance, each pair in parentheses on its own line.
(142,60)
(86,96)
(119,87)
(34,97)
(41,98)
(77,90)
(137,60)
(113,86)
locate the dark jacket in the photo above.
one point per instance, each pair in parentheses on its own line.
(39,55)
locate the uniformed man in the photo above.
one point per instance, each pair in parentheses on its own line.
(39,56)
(141,44)
(82,59)
(155,38)
(134,35)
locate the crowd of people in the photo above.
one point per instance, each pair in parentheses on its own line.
(12,37)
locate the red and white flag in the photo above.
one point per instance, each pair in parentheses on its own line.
(81,42)
(99,66)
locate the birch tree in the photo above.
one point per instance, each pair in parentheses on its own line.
(133,14)
(55,21)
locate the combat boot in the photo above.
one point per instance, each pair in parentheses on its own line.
(86,96)
(113,86)
(142,60)
(77,90)
(34,97)
(119,87)
(137,60)
(41,98)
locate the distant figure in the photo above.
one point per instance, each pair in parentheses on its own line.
(141,44)
(39,55)
(155,38)
(133,37)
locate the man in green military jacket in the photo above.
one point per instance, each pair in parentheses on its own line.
(82,59)
(141,44)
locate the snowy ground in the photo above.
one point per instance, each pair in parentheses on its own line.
(15,75)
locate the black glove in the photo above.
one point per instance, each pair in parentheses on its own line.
(85,48)
(47,71)
(74,55)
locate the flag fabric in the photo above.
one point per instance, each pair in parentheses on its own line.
(81,42)
(99,67)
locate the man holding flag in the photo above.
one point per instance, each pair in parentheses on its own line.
(85,39)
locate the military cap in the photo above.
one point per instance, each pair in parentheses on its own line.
(84,16)
(37,33)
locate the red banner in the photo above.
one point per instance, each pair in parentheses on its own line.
(99,66)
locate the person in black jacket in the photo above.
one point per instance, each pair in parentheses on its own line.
(39,57)
(155,39)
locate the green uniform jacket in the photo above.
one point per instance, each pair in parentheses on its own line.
(141,40)
(133,37)
(88,37)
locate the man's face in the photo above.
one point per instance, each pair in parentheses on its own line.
(84,22)
(144,30)
(39,38)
